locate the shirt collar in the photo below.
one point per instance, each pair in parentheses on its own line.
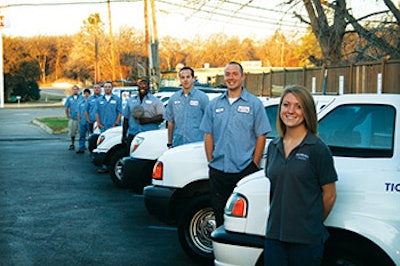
(244,95)
(192,91)
(310,138)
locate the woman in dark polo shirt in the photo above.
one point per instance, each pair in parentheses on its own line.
(301,170)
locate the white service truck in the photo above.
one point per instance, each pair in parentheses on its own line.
(363,133)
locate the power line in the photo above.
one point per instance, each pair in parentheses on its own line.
(222,12)
(227,13)
(67,3)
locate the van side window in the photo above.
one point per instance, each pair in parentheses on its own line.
(271,112)
(364,130)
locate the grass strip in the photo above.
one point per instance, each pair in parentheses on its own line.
(57,124)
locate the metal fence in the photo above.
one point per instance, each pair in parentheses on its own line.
(370,77)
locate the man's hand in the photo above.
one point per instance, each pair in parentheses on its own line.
(154,119)
(144,120)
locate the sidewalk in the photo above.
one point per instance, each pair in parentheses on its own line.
(33,105)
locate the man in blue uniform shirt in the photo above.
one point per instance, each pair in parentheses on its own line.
(108,113)
(83,124)
(235,126)
(90,107)
(71,110)
(185,111)
(143,112)
(108,109)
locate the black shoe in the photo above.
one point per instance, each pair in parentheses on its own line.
(71,147)
(80,151)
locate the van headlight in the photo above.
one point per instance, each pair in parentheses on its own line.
(100,139)
(136,143)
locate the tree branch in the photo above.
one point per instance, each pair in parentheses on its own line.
(372,38)
(300,17)
(393,9)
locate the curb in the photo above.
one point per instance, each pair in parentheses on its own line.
(42,126)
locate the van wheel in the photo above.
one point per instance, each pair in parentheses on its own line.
(346,249)
(195,226)
(115,166)
(92,142)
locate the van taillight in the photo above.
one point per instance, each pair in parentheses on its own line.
(236,205)
(239,208)
(158,171)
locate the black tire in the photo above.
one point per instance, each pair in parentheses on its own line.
(92,142)
(195,226)
(144,178)
(346,249)
(114,165)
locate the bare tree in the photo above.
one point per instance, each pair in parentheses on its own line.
(329,21)
(40,49)
(171,53)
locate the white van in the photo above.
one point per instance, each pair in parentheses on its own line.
(363,133)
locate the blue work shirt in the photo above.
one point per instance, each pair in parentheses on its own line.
(81,111)
(235,128)
(152,106)
(72,104)
(108,110)
(186,112)
(91,107)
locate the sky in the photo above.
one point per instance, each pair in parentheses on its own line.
(177,18)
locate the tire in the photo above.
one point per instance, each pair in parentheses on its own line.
(346,249)
(114,166)
(144,178)
(195,226)
(92,142)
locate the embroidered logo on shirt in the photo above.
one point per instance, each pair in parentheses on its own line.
(302,156)
(194,102)
(219,110)
(243,109)
(148,102)
(177,102)
(113,101)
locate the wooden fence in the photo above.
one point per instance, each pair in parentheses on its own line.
(371,77)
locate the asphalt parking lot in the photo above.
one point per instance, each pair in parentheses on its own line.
(55,209)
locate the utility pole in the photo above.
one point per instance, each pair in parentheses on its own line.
(155,55)
(114,77)
(96,64)
(146,37)
(151,40)
(2,94)
(1,71)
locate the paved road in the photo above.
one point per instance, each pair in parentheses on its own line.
(56,210)
(17,123)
